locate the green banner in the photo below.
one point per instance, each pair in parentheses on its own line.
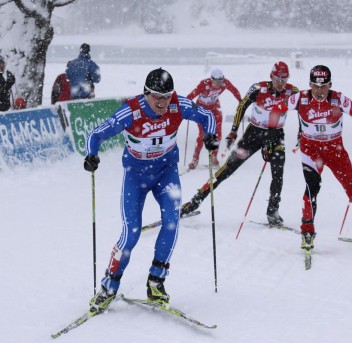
(84,116)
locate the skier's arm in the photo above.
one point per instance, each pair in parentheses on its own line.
(94,72)
(281,108)
(112,126)
(249,98)
(196,91)
(230,87)
(196,113)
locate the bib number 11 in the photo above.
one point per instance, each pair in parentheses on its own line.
(157,140)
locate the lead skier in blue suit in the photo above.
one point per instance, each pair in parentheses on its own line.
(149,123)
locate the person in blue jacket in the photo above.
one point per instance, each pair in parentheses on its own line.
(82,73)
(149,123)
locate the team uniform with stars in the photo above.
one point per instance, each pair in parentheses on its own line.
(150,160)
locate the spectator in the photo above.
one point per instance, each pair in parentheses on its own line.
(82,73)
(20,104)
(61,89)
(5,86)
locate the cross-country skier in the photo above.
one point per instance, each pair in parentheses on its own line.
(208,92)
(320,112)
(149,123)
(263,95)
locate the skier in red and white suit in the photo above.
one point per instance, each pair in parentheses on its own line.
(320,112)
(208,92)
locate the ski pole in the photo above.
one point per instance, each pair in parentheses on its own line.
(94,236)
(344,218)
(250,202)
(184,162)
(213,217)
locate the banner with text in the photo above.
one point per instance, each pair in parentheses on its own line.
(33,134)
(82,116)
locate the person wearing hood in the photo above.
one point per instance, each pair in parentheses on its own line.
(6,82)
(82,73)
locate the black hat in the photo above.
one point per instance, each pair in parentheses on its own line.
(159,80)
(85,48)
(320,75)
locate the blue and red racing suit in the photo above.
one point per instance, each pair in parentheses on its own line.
(150,160)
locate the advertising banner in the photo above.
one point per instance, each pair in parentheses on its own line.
(33,134)
(82,116)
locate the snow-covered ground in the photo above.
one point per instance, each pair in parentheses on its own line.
(264,292)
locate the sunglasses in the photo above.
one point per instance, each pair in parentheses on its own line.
(158,95)
(279,79)
(217,80)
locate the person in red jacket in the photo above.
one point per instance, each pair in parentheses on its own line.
(208,92)
(320,112)
(61,89)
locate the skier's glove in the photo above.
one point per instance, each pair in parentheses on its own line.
(211,142)
(268,145)
(91,163)
(230,139)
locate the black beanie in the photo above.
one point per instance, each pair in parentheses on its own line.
(85,48)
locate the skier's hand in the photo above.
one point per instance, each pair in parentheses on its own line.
(268,145)
(91,163)
(230,139)
(211,142)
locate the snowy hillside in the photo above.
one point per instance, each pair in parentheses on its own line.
(264,292)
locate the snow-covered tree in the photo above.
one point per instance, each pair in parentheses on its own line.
(26,33)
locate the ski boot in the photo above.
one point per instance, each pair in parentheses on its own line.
(274,218)
(156,290)
(101,300)
(308,240)
(272,212)
(192,205)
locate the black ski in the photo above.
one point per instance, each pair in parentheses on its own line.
(166,308)
(158,223)
(280,227)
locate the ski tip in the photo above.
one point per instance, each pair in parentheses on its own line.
(191,214)
(343,239)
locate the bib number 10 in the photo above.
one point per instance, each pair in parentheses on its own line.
(320,127)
